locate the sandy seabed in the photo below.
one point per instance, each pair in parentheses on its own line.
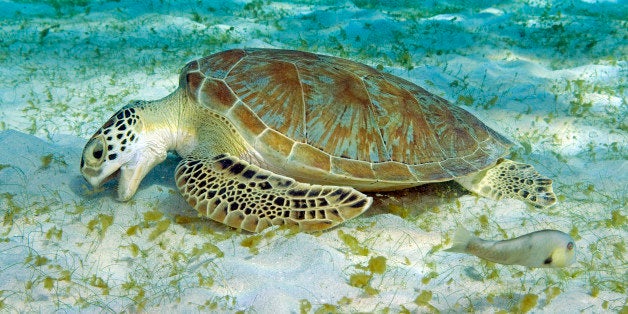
(549,75)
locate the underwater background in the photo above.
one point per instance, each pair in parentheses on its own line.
(549,75)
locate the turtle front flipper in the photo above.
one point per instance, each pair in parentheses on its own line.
(241,195)
(509,179)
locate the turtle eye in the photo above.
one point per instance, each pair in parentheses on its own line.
(97,152)
(94,152)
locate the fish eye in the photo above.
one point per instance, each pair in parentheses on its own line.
(570,246)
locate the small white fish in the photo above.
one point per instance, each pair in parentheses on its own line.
(545,248)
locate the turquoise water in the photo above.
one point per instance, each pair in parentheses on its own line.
(550,76)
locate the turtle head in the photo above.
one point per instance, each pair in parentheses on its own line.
(121,147)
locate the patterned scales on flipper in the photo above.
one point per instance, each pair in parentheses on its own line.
(241,195)
(509,179)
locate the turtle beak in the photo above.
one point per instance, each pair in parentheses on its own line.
(95,177)
(132,173)
(129,181)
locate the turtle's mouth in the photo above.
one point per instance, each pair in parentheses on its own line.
(110,177)
(94,181)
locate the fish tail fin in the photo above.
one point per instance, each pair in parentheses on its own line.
(461,240)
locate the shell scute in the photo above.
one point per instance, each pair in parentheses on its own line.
(217,94)
(479,159)
(276,141)
(457,167)
(246,120)
(352,168)
(392,171)
(193,81)
(220,64)
(353,67)
(308,155)
(408,134)
(276,99)
(452,137)
(430,172)
(340,119)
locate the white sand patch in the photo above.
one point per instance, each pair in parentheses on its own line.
(549,76)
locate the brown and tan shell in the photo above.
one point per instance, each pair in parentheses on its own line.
(344,122)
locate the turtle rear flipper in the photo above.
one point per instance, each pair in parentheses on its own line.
(241,195)
(509,179)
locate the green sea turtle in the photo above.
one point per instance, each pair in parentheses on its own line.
(272,137)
